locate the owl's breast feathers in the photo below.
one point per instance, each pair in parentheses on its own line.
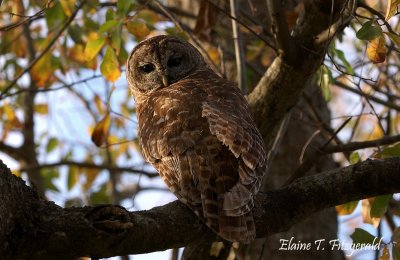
(199,135)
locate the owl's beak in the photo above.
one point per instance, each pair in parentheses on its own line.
(165,80)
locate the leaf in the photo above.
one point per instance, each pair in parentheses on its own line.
(107,26)
(75,32)
(123,7)
(376,50)
(391,151)
(51,144)
(138,29)
(42,71)
(391,8)
(41,108)
(73,177)
(91,175)
(347,208)
(366,213)
(362,237)
(385,253)
(48,176)
(379,206)
(396,243)
(354,158)
(341,56)
(55,15)
(115,42)
(100,131)
(93,47)
(326,79)
(100,196)
(68,6)
(76,53)
(109,66)
(369,31)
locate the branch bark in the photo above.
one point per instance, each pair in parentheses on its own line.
(37,229)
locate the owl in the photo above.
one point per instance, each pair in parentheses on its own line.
(196,129)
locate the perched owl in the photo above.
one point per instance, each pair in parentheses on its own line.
(196,129)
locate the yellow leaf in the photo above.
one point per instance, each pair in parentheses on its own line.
(391,8)
(76,54)
(41,108)
(68,6)
(346,209)
(100,131)
(93,47)
(42,71)
(109,66)
(376,50)
(91,175)
(138,29)
(99,104)
(366,216)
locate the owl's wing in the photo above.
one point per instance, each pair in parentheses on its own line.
(230,121)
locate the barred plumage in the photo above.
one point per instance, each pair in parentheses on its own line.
(197,131)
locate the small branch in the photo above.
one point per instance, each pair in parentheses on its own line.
(281,31)
(93,166)
(349,147)
(368,96)
(239,51)
(11,151)
(48,47)
(244,25)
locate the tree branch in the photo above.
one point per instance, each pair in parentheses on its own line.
(48,231)
(92,166)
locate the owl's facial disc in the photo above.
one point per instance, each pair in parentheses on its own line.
(161,61)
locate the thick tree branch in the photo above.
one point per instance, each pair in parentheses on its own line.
(48,231)
(281,86)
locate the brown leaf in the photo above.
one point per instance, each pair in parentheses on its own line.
(376,50)
(100,131)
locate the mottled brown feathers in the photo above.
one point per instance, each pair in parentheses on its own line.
(198,133)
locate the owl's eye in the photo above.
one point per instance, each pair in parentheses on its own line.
(147,68)
(174,62)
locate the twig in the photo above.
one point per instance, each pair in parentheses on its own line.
(92,166)
(48,47)
(239,52)
(245,26)
(349,147)
(281,31)
(190,34)
(368,96)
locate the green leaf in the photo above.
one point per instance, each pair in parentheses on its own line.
(75,32)
(51,144)
(48,176)
(362,237)
(325,81)
(116,39)
(123,7)
(110,14)
(55,16)
(391,151)
(107,26)
(379,206)
(93,47)
(340,55)
(354,158)
(109,66)
(73,177)
(369,31)
(101,196)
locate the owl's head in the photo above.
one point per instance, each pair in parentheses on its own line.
(161,61)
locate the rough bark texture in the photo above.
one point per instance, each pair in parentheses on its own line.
(37,229)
